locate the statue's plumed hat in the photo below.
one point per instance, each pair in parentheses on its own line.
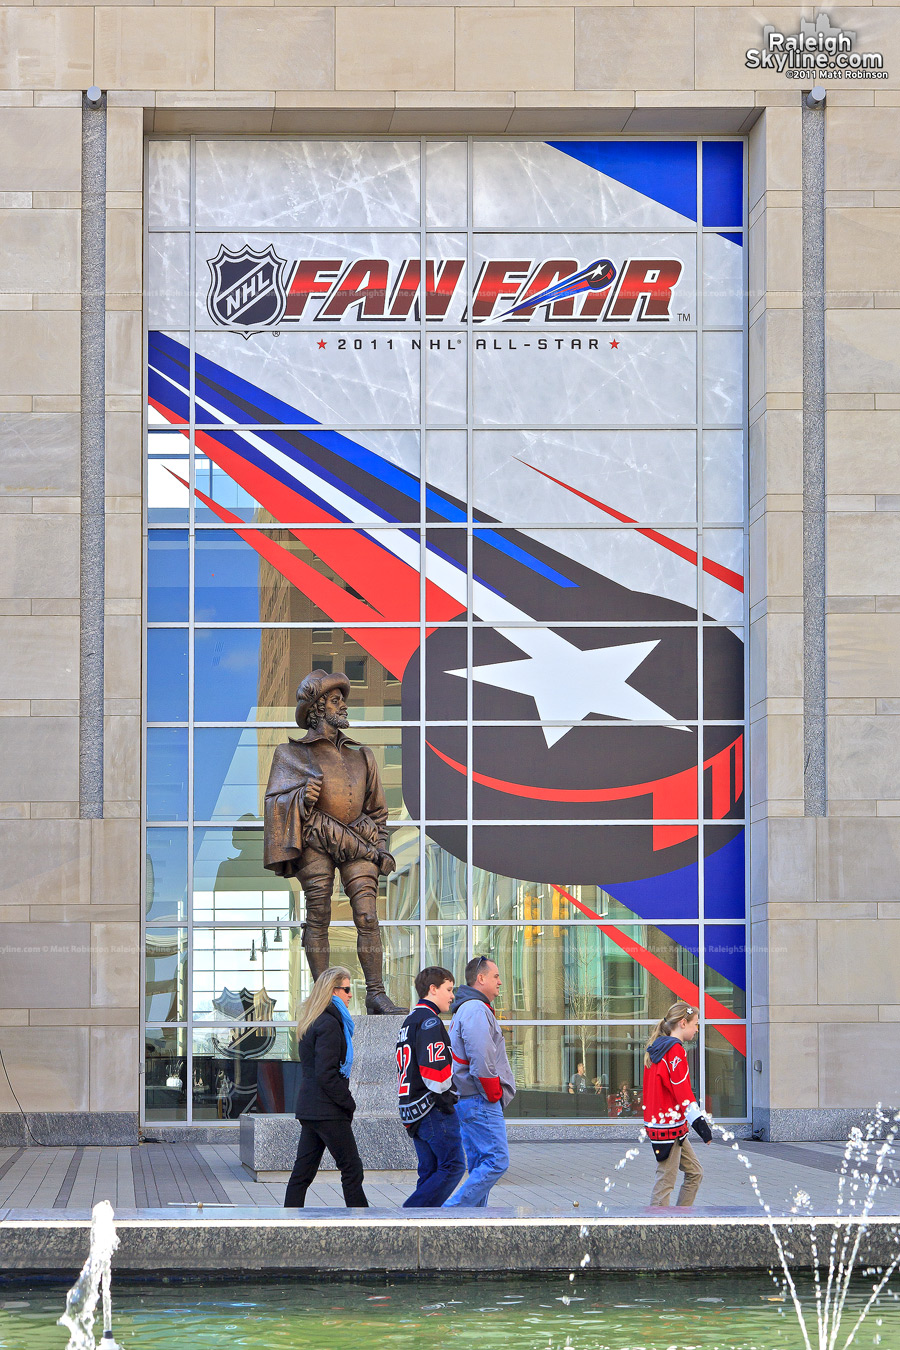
(314,686)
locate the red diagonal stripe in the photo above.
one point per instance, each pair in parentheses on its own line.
(714,569)
(682,987)
(393,647)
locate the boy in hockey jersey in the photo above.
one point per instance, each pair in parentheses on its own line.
(670,1108)
(425,1086)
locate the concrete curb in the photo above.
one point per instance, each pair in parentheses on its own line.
(342,1242)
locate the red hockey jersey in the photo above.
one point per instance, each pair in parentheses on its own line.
(669,1105)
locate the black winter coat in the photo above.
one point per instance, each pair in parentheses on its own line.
(324,1091)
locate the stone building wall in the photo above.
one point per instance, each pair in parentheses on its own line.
(825,894)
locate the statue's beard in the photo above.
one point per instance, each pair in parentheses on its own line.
(338,720)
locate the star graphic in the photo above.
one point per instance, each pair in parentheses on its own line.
(615,342)
(567,683)
(321,342)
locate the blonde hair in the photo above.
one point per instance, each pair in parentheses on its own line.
(677,1013)
(320,997)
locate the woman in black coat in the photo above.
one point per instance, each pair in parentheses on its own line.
(325,1104)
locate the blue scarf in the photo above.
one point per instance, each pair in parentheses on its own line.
(348,1031)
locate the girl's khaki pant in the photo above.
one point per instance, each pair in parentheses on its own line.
(681,1158)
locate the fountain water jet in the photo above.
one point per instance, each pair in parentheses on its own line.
(95,1277)
(847,1232)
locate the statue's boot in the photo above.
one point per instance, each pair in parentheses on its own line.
(371,960)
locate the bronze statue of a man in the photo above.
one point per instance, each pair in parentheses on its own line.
(325,809)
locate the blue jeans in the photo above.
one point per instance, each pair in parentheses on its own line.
(441,1163)
(487,1151)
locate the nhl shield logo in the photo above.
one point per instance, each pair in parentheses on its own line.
(247,288)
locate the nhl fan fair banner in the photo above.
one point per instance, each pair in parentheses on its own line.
(488,397)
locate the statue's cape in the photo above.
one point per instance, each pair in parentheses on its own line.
(287,820)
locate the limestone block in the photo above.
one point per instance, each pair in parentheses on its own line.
(147,47)
(122,656)
(125,150)
(40,351)
(115,965)
(115,877)
(776,168)
(784,351)
(793,1064)
(858,858)
(122,759)
(45,965)
(784,756)
(861,250)
(40,759)
(39,657)
(123,556)
(784,655)
(862,351)
(384,48)
(124,350)
(41,251)
(44,862)
(793,972)
(859,1063)
(776,453)
(863,655)
(784,247)
(39,453)
(48,1067)
(495,48)
(40,150)
(759,963)
(792,860)
(282,48)
(39,555)
(862,150)
(607,39)
(776,555)
(124,252)
(862,451)
(115,1068)
(758,777)
(732,28)
(124,454)
(863,757)
(46,47)
(759,861)
(859,961)
(863,553)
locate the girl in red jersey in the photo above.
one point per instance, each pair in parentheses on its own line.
(669,1105)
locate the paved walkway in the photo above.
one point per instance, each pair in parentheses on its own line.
(554,1178)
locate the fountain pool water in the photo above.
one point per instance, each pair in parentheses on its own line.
(635,1312)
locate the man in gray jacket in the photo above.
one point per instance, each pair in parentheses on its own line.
(484,1080)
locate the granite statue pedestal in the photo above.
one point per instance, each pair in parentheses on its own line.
(268,1144)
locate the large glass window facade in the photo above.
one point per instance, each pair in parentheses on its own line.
(465,420)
